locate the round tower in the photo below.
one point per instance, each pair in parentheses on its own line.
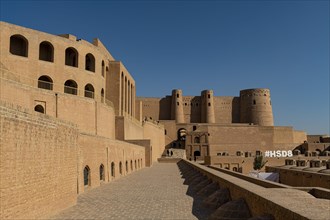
(207,113)
(256,107)
(177,106)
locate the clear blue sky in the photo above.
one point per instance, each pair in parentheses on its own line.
(195,45)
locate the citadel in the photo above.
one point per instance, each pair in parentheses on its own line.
(71,121)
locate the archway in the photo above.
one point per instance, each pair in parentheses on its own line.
(197,153)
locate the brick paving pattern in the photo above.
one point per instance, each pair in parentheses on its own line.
(151,193)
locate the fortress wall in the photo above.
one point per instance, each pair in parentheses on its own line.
(155,133)
(299,136)
(165,108)
(191,109)
(26,96)
(283,135)
(226,110)
(249,138)
(105,121)
(113,86)
(171,132)
(122,89)
(38,163)
(151,108)
(31,67)
(127,129)
(79,110)
(95,151)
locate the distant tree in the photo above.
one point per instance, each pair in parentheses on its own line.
(259,162)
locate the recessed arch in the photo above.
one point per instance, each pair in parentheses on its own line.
(39,108)
(71,87)
(102,95)
(71,57)
(120,168)
(126,166)
(89,91)
(46,51)
(19,45)
(102,64)
(45,82)
(131,165)
(135,164)
(113,169)
(90,62)
(102,175)
(87,176)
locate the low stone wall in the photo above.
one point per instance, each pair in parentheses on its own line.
(276,202)
(301,178)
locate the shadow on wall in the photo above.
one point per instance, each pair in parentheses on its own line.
(211,201)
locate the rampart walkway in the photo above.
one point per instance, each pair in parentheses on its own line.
(152,193)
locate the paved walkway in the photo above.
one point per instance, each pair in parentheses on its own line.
(151,193)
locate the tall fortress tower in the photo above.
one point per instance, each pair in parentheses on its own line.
(256,107)
(207,111)
(177,106)
(252,106)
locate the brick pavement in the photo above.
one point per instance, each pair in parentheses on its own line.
(151,193)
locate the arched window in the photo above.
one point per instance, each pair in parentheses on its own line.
(45,82)
(120,168)
(71,57)
(87,175)
(19,45)
(131,165)
(209,104)
(106,70)
(39,108)
(194,128)
(254,102)
(70,87)
(112,169)
(46,51)
(102,68)
(102,176)
(135,164)
(90,62)
(197,140)
(126,166)
(102,95)
(89,91)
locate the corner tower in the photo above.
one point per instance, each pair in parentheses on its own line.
(177,106)
(207,111)
(256,107)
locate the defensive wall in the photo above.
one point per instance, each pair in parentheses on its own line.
(55,92)
(253,106)
(38,164)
